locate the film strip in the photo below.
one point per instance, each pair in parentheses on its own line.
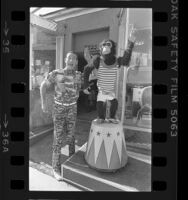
(15,39)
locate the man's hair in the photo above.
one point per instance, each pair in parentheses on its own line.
(71,52)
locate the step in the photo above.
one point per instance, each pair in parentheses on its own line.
(135,176)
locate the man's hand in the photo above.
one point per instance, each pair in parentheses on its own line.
(78,78)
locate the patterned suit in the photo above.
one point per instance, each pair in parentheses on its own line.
(64,112)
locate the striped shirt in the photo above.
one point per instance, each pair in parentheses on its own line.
(107,76)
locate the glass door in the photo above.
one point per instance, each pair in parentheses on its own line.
(135,80)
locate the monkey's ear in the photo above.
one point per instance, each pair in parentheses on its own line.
(113,43)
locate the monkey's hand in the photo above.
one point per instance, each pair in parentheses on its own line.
(89,68)
(86,91)
(132,37)
(125,60)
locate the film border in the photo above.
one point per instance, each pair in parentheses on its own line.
(14,112)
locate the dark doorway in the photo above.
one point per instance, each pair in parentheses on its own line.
(85,103)
(81,61)
(83,98)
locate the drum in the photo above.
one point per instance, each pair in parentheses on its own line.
(106,148)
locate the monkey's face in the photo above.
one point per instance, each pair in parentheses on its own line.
(106,47)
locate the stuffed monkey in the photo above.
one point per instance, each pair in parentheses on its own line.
(107,64)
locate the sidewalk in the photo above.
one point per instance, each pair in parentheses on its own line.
(42,182)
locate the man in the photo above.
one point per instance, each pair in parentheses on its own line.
(67,83)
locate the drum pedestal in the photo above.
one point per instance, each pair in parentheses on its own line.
(106,148)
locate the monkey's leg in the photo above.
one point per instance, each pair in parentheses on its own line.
(113,109)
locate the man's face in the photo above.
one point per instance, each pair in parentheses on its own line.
(71,60)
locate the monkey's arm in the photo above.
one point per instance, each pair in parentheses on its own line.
(125,60)
(89,68)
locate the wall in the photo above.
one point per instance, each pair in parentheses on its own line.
(102,19)
(43,45)
(82,39)
(42,37)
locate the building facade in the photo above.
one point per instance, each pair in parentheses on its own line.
(77,28)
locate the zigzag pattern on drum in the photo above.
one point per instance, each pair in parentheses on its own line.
(106,148)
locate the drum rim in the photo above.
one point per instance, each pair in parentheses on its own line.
(104,170)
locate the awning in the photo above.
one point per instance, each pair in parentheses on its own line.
(44,23)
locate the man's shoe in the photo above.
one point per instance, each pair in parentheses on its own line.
(57,176)
(71,150)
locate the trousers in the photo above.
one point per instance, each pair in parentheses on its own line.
(64,119)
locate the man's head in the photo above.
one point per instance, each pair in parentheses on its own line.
(71,60)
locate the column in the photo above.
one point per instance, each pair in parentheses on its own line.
(59,51)
(122,42)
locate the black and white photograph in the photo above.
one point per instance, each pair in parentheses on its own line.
(90,115)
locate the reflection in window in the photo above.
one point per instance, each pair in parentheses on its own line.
(139,80)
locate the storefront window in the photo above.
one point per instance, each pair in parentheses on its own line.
(138,101)
(39,72)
